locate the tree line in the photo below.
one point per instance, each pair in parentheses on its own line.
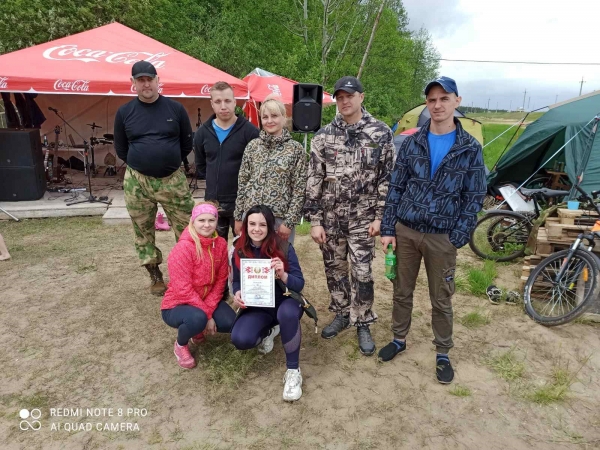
(313,41)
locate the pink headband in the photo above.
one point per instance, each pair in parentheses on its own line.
(204,208)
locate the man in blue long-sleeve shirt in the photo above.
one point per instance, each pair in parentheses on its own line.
(435,192)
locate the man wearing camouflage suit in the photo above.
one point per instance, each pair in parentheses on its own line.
(350,162)
(153,135)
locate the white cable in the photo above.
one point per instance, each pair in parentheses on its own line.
(512,126)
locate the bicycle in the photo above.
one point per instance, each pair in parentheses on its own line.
(502,235)
(565,284)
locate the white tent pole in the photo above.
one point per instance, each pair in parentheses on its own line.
(546,162)
(512,126)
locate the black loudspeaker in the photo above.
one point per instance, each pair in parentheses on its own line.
(22,175)
(22,183)
(20,148)
(307,107)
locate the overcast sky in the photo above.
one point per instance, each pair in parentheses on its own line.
(513,30)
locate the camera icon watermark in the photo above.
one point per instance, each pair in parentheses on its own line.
(32,424)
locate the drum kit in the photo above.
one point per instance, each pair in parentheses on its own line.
(106,139)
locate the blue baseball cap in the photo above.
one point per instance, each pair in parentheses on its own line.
(447,84)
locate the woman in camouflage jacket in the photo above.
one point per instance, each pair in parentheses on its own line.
(273,172)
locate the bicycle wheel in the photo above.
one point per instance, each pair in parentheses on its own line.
(552,302)
(500,237)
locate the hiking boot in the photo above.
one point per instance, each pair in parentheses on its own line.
(365,341)
(292,389)
(338,324)
(184,357)
(443,369)
(157,286)
(266,344)
(198,339)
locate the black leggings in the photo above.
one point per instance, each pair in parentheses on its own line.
(191,321)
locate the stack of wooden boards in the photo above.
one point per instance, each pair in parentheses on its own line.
(558,234)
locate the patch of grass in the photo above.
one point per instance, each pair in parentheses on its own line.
(507,366)
(303,229)
(461,283)
(493,151)
(460,391)
(225,365)
(85,268)
(583,320)
(155,437)
(474,319)
(176,434)
(480,279)
(557,389)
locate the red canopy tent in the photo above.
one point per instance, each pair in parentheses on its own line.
(99,62)
(87,76)
(261,84)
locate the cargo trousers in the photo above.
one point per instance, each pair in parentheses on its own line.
(142,193)
(439,256)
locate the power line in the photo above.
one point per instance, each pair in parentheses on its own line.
(521,62)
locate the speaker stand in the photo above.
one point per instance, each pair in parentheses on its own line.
(9,214)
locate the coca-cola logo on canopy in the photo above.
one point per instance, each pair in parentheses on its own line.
(205,90)
(274,88)
(70,52)
(73,86)
(160,88)
(3,82)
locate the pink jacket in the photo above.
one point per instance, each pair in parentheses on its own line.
(193,281)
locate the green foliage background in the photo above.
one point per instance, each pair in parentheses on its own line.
(306,40)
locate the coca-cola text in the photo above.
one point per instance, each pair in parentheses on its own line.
(73,86)
(70,52)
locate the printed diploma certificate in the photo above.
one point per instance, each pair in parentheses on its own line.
(258,283)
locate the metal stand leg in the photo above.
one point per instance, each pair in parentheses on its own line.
(9,214)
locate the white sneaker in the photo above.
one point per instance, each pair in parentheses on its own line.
(267,343)
(292,390)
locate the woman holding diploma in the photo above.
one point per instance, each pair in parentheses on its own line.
(198,271)
(258,326)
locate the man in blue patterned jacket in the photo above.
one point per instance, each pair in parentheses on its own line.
(435,192)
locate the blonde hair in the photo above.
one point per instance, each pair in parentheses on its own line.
(274,105)
(194,233)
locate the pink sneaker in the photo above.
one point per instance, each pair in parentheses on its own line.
(160,223)
(184,357)
(198,339)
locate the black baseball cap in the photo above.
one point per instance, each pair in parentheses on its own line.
(143,69)
(447,84)
(349,85)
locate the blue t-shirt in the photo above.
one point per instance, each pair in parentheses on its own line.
(439,146)
(221,133)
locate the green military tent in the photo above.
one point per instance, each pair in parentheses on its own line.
(545,136)
(417,117)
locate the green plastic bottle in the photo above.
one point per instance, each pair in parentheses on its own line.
(390,263)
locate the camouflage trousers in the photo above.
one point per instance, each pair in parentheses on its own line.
(142,193)
(350,285)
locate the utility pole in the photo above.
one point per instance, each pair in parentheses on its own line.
(488,107)
(581,85)
(510,107)
(528,103)
(524,94)
(556,99)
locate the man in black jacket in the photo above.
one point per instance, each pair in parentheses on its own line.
(218,147)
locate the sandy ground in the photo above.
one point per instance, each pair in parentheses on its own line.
(79,330)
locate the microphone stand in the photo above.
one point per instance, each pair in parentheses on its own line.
(91,198)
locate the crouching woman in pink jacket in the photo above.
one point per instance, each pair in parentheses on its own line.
(198,271)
